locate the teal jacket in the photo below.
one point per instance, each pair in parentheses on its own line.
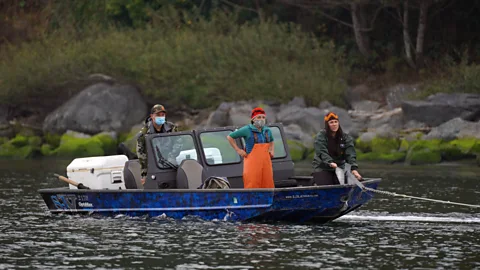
(322,158)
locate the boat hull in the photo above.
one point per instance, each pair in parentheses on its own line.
(298,204)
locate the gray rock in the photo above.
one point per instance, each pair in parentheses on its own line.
(394,118)
(239,114)
(271,113)
(295,132)
(448,130)
(396,94)
(78,135)
(472,130)
(100,107)
(308,119)
(297,101)
(414,136)
(365,105)
(324,105)
(367,136)
(357,92)
(412,124)
(384,131)
(220,117)
(440,108)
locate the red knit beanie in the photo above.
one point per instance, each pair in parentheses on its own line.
(257,111)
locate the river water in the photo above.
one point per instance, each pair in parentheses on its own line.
(387,233)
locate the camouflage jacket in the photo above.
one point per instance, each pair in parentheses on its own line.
(148,128)
(322,157)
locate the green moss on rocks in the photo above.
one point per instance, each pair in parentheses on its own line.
(297,150)
(52,139)
(47,150)
(8,150)
(451,152)
(424,156)
(109,144)
(466,145)
(404,145)
(363,146)
(35,142)
(385,146)
(79,147)
(3,140)
(19,141)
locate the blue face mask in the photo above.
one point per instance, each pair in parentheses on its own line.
(160,120)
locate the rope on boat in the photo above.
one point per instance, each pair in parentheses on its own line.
(353,179)
(417,198)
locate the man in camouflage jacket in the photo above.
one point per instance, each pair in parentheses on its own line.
(155,123)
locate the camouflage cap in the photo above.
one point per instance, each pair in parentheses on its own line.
(158,108)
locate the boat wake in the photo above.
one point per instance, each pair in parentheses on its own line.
(411,218)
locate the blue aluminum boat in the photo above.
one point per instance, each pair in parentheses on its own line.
(181,163)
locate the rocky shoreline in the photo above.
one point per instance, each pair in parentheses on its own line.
(389,129)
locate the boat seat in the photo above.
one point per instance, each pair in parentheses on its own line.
(132,174)
(190,174)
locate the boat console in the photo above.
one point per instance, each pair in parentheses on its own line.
(210,149)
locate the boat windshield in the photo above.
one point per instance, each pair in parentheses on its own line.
(171,150)
(278,143)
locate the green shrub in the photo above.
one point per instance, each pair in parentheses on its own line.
(461,78)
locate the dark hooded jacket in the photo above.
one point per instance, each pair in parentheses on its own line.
(345,152)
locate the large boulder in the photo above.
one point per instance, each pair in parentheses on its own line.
(238,113)
(100,107)
(310,119)
(294,132)
(219,118)
(393,118)
(449,130)
(472,130)
(365,105)
(440,108)
(396,94)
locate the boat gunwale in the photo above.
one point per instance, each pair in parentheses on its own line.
(230,190)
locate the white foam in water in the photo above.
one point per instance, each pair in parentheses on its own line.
(411,218)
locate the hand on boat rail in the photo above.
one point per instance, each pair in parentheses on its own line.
(71,182)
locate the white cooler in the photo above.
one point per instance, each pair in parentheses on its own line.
(105,172)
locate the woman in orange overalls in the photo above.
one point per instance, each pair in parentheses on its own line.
(258,153)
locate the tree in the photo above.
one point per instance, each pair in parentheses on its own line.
(361,22)
(425,8)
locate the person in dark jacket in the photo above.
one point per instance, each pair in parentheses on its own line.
(155,123)
(333,148)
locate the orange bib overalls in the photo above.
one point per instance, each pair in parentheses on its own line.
(257,166)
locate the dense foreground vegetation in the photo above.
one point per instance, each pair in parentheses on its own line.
(201,52)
